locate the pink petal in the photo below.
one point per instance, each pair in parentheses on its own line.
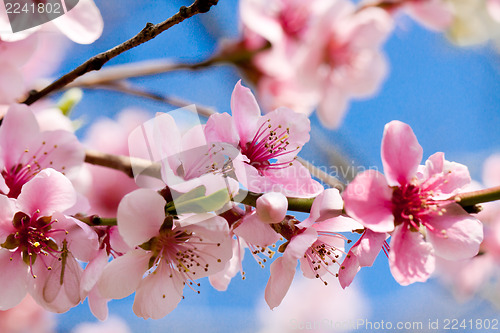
(81,239)
(207,225)
(11,83)
(64,151)
(52,287)
(19,119)
(246,112)
(362,254)
(299,244)
(255,231)
(166,136)
(82,24)
(491,176)
(282,273)
(326,205)
(411,258)
(7,211)
(367,199)
(350,268)
(220,280)
(494,9)
(433,14)
(333,106)
(213,258)
(98,305)
(449,177)
(121,277)
(12,279)
(401,153)
(221,128)
(294,126)
(338,224)
(368,28)
(49,191)
(159,293)
(368,247)
(293,181)
(93,271)
(140,216)
(457,234)
(272,207)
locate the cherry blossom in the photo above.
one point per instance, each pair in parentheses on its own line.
(268,144)
(252,229)
(412,201)
(318,248)
(322,54)
(23,156)
(171,253)
(39,244)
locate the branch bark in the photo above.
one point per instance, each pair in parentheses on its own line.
(149,32)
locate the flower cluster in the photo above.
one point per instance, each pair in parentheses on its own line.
(194,198)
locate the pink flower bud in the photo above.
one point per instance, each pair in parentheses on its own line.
(272,207)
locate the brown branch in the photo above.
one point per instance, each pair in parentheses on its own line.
(139,69)
(125,164)
(146,34)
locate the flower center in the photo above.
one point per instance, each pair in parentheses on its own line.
(294,20)
(410,204)
(269,143)
(27,167)
(181,250)
(33,237)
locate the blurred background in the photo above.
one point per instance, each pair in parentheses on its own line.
(449,95)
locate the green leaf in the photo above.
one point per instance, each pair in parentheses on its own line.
(196,201)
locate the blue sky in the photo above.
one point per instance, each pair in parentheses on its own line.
(450,97)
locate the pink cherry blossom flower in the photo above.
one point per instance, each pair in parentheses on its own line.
(412,201)
(251,229)
(322,54)
(24,156)
(171,253)
(14,55)
(82,24)
(283,23)
(39,244)
(268,144)
(318,248)
(346,60)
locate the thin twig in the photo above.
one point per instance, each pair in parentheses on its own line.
(138,69)
(125,164)
(146,34)
(127,88)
